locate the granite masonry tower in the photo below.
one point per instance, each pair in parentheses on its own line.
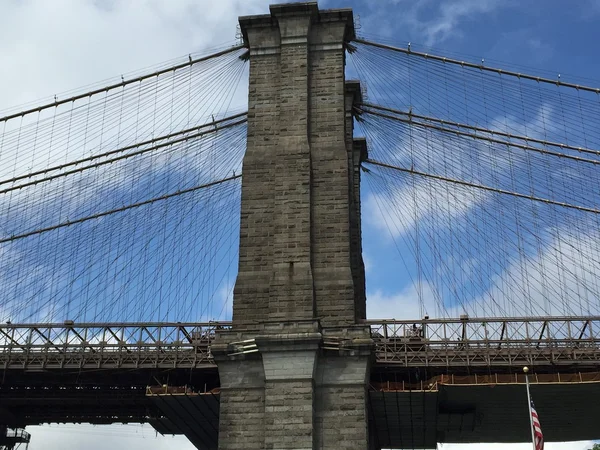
(294,368)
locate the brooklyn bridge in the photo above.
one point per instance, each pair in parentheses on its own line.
(138,211)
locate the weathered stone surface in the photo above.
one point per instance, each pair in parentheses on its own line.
(294,369)
(300,254)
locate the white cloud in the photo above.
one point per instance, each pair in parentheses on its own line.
(443,19)
(579,445)
(451,14)
(53,47)
(563,270)
(368,263)
(417,200)
(141,437)
(408,205)
(537,127)
(56,46)
(92,437)
(411,303)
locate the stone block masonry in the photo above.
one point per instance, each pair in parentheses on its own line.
(300,255)
(295,366)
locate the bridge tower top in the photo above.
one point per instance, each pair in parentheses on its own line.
(300,244)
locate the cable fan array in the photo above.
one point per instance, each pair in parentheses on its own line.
(487,181)
(122,203)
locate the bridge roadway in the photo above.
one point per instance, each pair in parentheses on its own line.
(450,380)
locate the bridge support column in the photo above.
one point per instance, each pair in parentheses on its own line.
(242,401)
(298,389)
(289,362)
(341,406)
(294,369)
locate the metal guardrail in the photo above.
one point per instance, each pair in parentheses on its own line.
(459,342)
(17,435)
(465,342)
(107,346)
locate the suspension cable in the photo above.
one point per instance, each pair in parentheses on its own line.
(476,128)
(117,210)
(483,187)
(408,51)
(136,145)
(484,138)
(157,73)
(119,158)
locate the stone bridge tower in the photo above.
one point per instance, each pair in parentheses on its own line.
(294,369)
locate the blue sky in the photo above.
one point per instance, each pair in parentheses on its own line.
(552,38)
(53,47)
(517,36)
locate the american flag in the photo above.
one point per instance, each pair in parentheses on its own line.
(538,437)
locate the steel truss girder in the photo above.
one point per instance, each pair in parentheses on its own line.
(465,342)
(107,346)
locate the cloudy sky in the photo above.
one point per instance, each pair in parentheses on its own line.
(50,47)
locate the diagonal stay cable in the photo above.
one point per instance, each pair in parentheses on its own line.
(483,138)
(130,147)
(483,187)
(481,129)
(119,158)
(122,83)
(443,59)
(117,210)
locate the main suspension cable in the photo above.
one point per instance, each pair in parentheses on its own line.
(136,145)
(484,138)
(408,51)
(476,128)
(157,73)
(483,187)
(117,210)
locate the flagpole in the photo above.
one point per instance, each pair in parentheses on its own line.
(526,369)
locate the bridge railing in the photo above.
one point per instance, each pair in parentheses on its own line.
(17,435)
(462,342)
(110,345)
(487,342)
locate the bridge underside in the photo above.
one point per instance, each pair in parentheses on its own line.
(109,396)
(399,417)
(485,413)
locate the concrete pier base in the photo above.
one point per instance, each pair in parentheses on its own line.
(295,390)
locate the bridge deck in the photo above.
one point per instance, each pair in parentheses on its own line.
(425,343)
(399,419)
(483,413)
(99,373)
